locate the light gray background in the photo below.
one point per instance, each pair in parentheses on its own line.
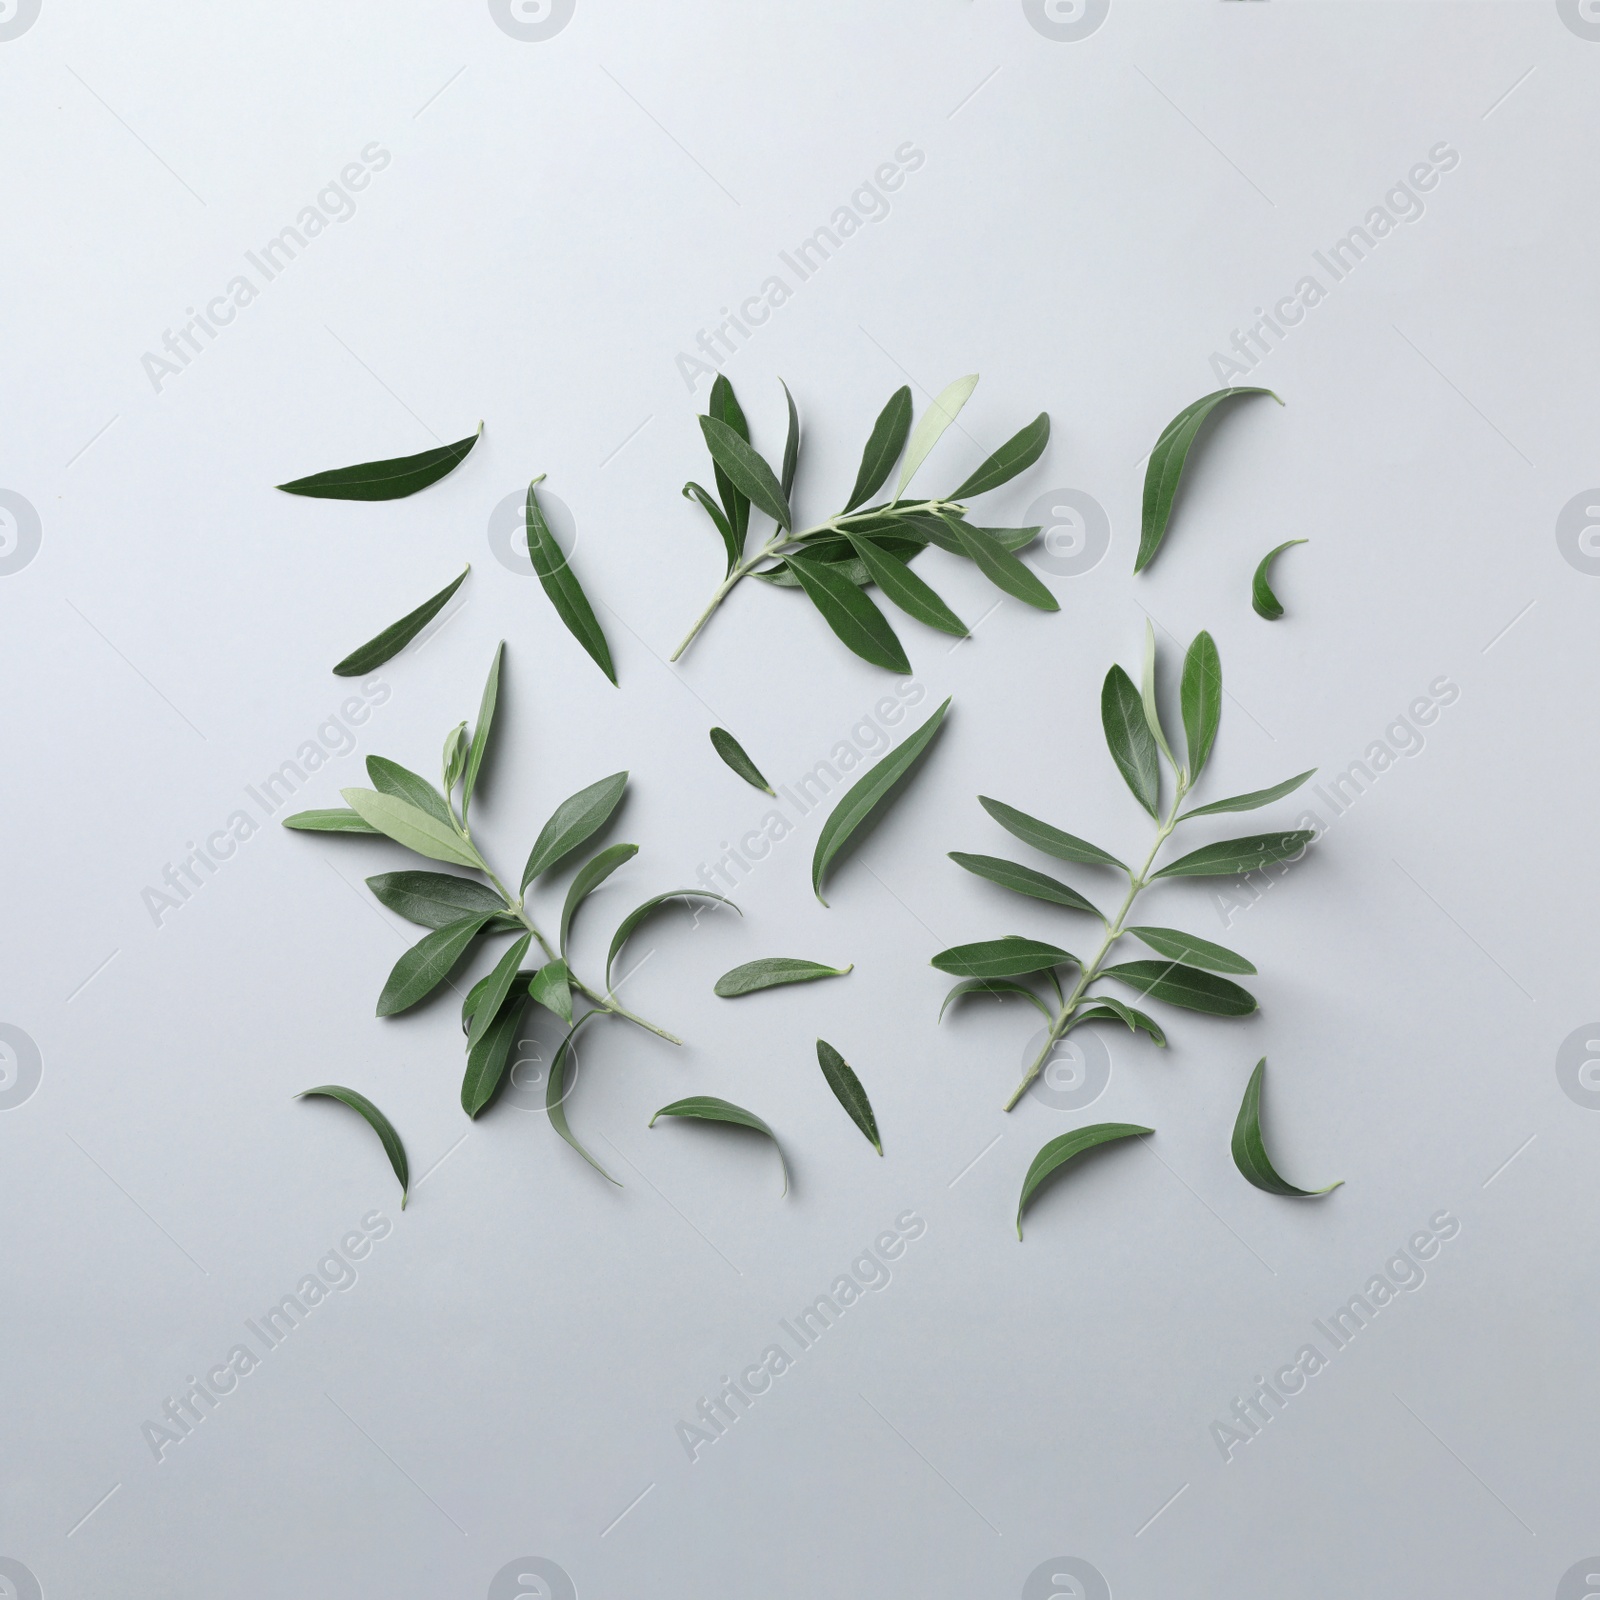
(559,219)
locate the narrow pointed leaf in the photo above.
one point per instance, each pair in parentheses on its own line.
(772,971)
(389,777)
(791,444)
(589,877)
(1229,857)
(561,584)
(938,530)
(867,794)
(905,588)
(415,829)
(1190,947)
(454,756)
(1017,454)
(573,821)
(1103,1008)
(551,987)
(555,1097)
(708,1108)
(1250,1151)
(733,753)
(380,1125)
(427,964)
(435,899)
(724,407)
(385,480)
(1011,957)
(732,543)
(1000,567)
(629,923)
(336,820)
(930,429)
(883,449)
(851,615)
(1200,696)
(1128,736)
(1252,801)
(848,1092)
(1024,880)
(397,635)
(499,986)
(1001,988)
(1267,605)
(1147,694)
(1188,987)
(488,1056)
(747,470)
(1058,1152)
(480,733)
(1063,846)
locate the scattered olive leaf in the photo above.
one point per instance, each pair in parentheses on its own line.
(1250,1151)
(385,480)
(560,582)
(380,1125)
(733,753)
(397,635)
(1267,605)
(708,1108)
(848,1092)
(772,971)
(1055,1155)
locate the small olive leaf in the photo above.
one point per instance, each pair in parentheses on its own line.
(883,449)
(1024,880)
(1166,466)
(1059,1151)
(772,971)
(454,756)
(1200,695)
(851,615)
(905,588)
(1190,947)
(480,733)
(629,923)
(1104,1008)
(488,1056)
(1001,988)
(930,428)
(791,443)
(1229,857)
(1252,801)
(434,899)
(937,530)
(1000,567)
(499,986)
(385,480)
(415,829)
(388,644)
(560,582)
(589,877)
(380,1125)
(748,470)
(1017,454)
(847,1090)
(733,753)
(1063,846)
(1129,739)
(551,987)
(389,777)
(866,794)
(473,996)
(708,1108)
(1250,1151)
(1188,987)
(1011,957)
(427,964)
(1266,604)
(724,406)
(732,544)
(573,821)
(555,1096)
(1147,694)
(336,820)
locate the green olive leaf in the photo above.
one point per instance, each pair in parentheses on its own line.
(848,1092)
(1250,802)
(1128,736)
(1010,957)
(480,733)
(708,1108)
(555,1096)
(747,470)
(1147,694)
(852,616)
(551,987)
(1189,947)
(380,1125)
(724,407)
(733,753)
(574,820)
(397,635)
(883,449)
(1017,454)
(1229,857)
(930,429)
(427,964)
(560,582)
(499,986)
(772,971)
(1059,1151)
(1024,880)
(1250,1151)
(629,923)
(1052,841)
(589,877)
(454,756)
(435,899)
(732,543)
(1200,696)
(1000,988)
(489,1055)
(1103,1008)
(1266,604)
(791,443)
(1000,567)
(336,820)
(905,588)
(385,480)
(389,777)
(415,829)
(1180,985)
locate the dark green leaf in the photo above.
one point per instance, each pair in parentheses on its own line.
(1250,802)
(499,986)
(905,588)
(389,777)
(770,972)
(385,480)
(1017,454)
(555,1096)
(747,469)
(1250,1151)
(434,899)
(883,448)
(930,428)
(1063,846)
(561,584)
(427,964)
(999,987)
(480,734)
(1190,947)
(1132,745)
(573,821)
(866,794)
(791,444)
(1061,1150)
(708,1108)
(1228,857)
(379,1124)
(724,407)
(336,820)
(1000,567)
(732,544)
(1106,1009)
(847,1090)
(1267,604)
(936,529)
(851,615)
(629,923)
(1201,698)
(415,829)
(1166,468)
(551,987)
(589,877)
(1024,880)
(1188,987)
(488,1056)
(1010,957)
(397,635)
(733,753)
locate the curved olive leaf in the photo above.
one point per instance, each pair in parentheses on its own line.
(772,971)
(498,987)
(488,1056)
(851,615)
(1229,857)
(905,588)
(427,964)
(936,530)
(1063,846)
(1000,567)
(1103,1008)
(733,753)
(574,820)
(1024,880)
(1000,988)
(1128,736)
(930,429)
(1250,1151)
(1147,694)
(589,877)
(555,1096)
(389,777)
(747,470)
(415,829)
(866,794)
(724,406)
(1166,466)
(1017,454)
(393,479)
(791,444)
(1010,957)
(1059,1151)
(560,582)
(732,544)
(1250,802)
(454,756)
(551,987)
(336,820)
(380,1125)
(1188,987)
(848,1092)
(1200,696)
(629,923)
(708,1108)
(480,733)
(883,449)
(1189,947)
(388,644)
(1266,604)
(434,899)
